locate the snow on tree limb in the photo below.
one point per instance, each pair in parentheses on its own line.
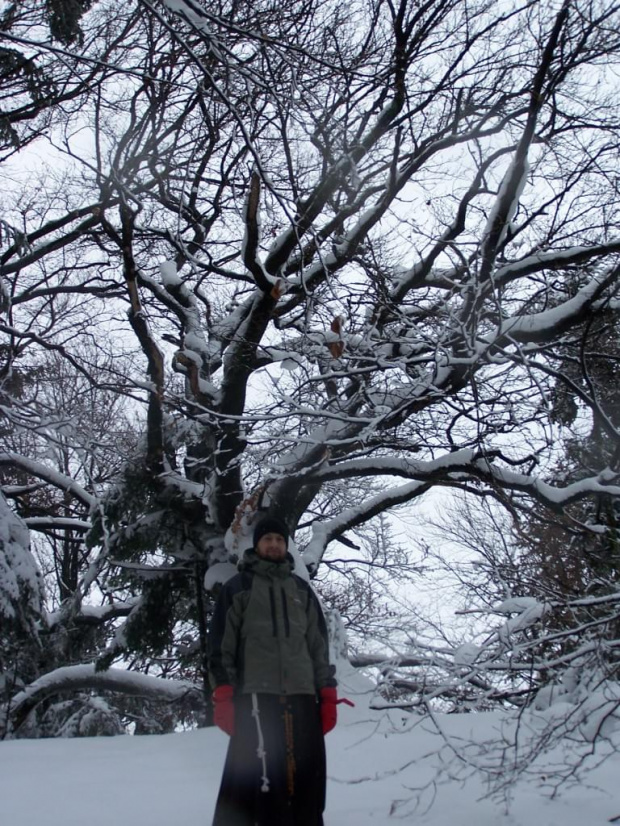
(552,260)
(324,532)
(476,466)
(21,583)
(54,477)
(546,324)
(81,677)
(41,523)
(93,614)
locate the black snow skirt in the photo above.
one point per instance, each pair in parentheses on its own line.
(289,789)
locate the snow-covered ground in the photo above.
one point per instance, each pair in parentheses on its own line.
(383,769)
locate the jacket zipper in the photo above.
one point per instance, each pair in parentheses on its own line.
(272,601)
(287,625)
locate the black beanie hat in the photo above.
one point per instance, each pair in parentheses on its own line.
(270,525)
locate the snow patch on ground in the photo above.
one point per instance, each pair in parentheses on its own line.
(384,768)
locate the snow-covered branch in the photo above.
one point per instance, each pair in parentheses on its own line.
(42,523)
(93,614)
(324,532)
(86,677)
(475,465)
(54,477)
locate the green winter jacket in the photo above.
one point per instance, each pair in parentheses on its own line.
(268,632)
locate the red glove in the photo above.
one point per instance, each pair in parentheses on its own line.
(329,707)
(224,708)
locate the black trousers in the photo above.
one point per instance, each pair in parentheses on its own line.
(286,785)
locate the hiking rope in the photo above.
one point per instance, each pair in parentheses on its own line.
(260,751)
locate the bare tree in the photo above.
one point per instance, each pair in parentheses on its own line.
(338,247)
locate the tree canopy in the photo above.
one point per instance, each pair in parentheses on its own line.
(299,258)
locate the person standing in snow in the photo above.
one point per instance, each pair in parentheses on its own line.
(274,691)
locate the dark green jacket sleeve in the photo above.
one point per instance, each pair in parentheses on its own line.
(224,635)
(318,642)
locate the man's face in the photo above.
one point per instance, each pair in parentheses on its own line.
(271,546)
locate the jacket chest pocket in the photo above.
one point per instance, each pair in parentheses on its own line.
(259,617)
(294,614)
